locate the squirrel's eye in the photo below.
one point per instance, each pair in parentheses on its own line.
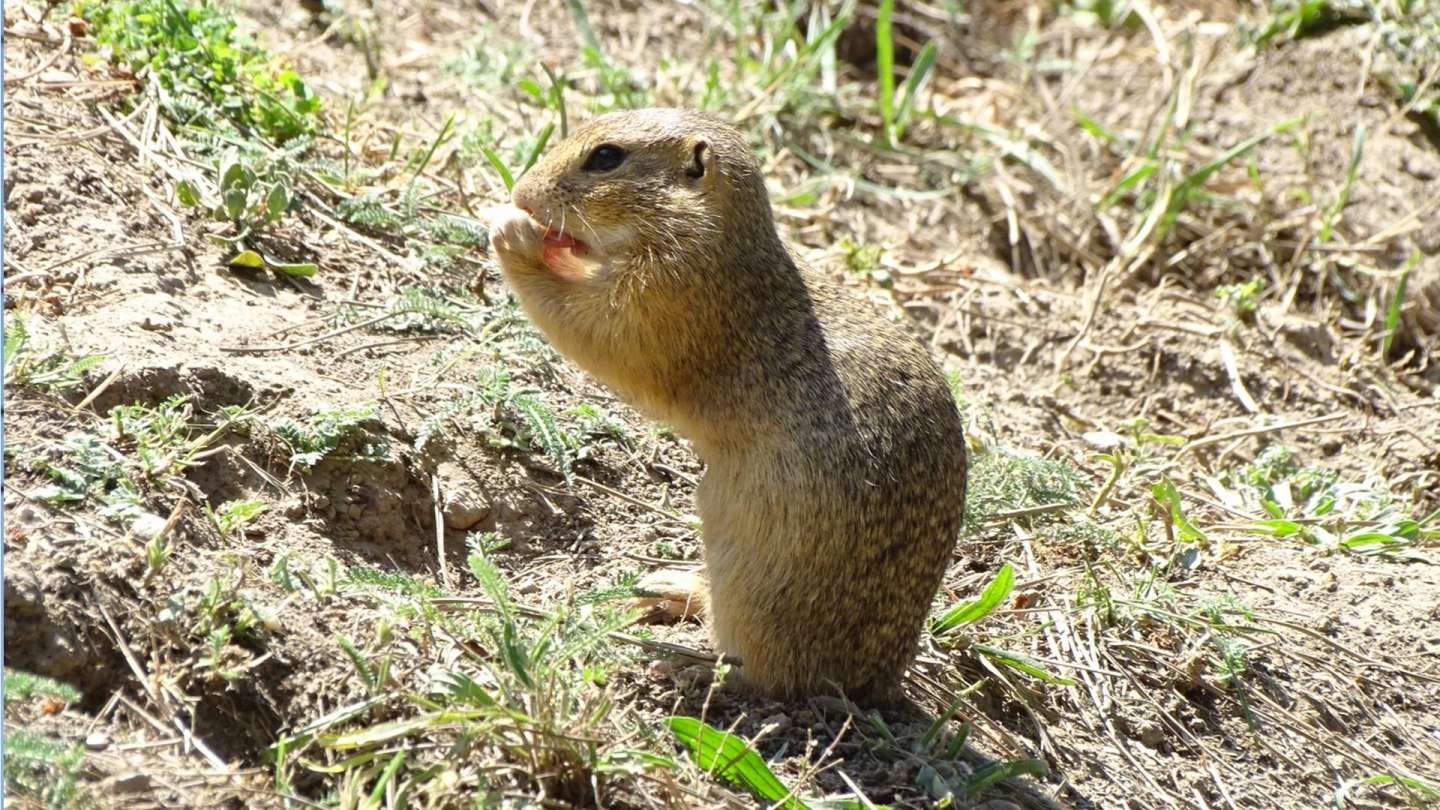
(604,157)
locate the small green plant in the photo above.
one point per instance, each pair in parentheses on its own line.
(1002,479)
(1314,505)
(37,765)
(864,261)
(968,613)
(1241,299)
(324,432)
(25,366)
(215,617)
(249,203)
(209,74)
(231,517)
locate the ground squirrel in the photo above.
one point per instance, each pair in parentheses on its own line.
(644,247)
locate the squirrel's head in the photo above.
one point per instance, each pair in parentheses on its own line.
(648,189)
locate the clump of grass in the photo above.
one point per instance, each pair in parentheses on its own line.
(522,704)
(218,621)
(204,67)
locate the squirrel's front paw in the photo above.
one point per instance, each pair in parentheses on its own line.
(513,233)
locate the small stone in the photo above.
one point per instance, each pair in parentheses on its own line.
(147,525)
(1151,734)
(128,783)
(660,670)
(777,722)
(98,741)
(463,507)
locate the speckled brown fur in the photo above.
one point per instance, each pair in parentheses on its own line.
(835,479)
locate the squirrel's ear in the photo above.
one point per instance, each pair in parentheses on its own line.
(702,160)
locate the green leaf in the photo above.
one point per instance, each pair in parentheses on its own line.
(1392,312)
(248,259)
(1021,664)
(914,83)
(539,146)
(990,774)
(377,795)
(500,168)
(276,202)
(533,88)
(186,194)
(1277,528)
(301,269)
(385,732)
(730,758)
(234,200)
(885,65)
(1166,493)
(969,612)
(232,173)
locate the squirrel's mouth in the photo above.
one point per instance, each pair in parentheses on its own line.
(567,257)
(560,239)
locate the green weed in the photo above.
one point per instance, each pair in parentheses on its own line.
(1004,480)
(1313,505)
(231,518)
(968,613)
(209,73)
(38,766)
(524,695)
(146,447)
(1241,299)
(323,434)
(509,415)
(44,768)
(249,203)
(214,619)
(26,364)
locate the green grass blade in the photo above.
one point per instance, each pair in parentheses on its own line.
(1196,179)
(1392,312)
(539,146)
(990,774)
(969,612)
(914,83)
(500,168)
(729,757)
(1357,150)
(1021,664)
(583,29)
(885,64)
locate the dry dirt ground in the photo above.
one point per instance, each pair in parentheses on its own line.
(1186,658)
